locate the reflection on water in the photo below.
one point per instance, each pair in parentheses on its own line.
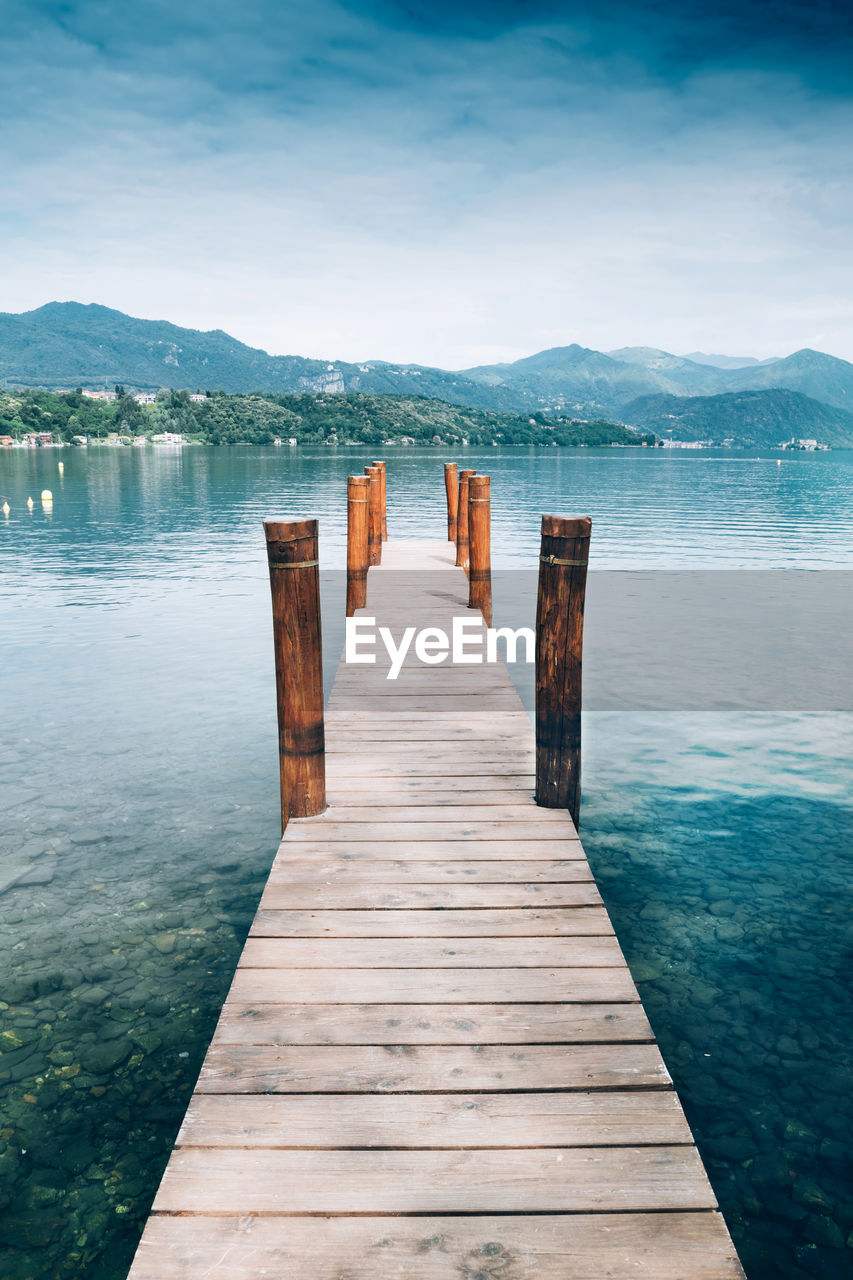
(138,794)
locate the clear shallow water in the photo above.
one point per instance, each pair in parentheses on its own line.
(138,795)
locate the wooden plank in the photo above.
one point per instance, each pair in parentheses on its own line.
(316,868)
(344,893)
(655,1246)
(386,844)
(483,923)
(444,986)
(394,795)
(460,814)
(409,704)
(292,1024)
(570,1179)
(482,830)
(430,953)
(435,1120)
(402,1068)
(357,767)
(466,790)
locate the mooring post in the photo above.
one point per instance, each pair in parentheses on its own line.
(451,485)
(462,520)
(297,638)
(559,648)
(358,488)
(479,543)
(383,503)
(374,515)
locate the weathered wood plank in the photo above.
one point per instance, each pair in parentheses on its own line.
(444,986)
(313,871)
(655,1246)
(435,1121)
(508,815)
(401,1068)
(343,892)
(483,923)
(570,1179)
(413,952)
(397,843)
(347,1024)
(392,796)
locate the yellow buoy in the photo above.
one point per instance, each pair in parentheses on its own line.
(61,467)
(778,462)
(46,495)
(6,508)
(30,503)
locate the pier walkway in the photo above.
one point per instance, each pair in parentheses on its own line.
(432,1063)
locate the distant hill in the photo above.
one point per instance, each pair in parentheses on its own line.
(67,344)
(750,418)
(722,362)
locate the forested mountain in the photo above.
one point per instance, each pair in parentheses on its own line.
(66,345)
(749,418)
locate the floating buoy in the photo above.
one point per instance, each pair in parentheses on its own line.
(61,467)
(778,462)
(30,503)
(46,495)
(6,508)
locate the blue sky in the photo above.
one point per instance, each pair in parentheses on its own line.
(442,183)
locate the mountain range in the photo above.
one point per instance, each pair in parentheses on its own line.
(69,344)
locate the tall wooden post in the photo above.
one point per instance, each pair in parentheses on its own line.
(297,638)
(479,541)
(451,484)
(384,507)
(462,520)
(559,650)
(374,515)
(358,488)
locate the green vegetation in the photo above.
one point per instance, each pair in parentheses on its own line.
(746,419)
(351,418)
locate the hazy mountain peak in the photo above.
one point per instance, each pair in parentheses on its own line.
(722,362)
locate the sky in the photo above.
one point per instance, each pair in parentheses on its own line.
(450,183)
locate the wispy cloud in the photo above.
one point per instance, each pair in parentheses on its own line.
(434,182)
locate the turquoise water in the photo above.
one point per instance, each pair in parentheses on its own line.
(138,793)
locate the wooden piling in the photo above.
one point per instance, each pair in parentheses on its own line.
(374,515)
(479,542)
(462,554)
(384,507)
(358,488)
(559,647)
(297,638)
(451,484)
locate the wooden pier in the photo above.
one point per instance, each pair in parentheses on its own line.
(433,1063)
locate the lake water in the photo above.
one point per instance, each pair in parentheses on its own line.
(139,803)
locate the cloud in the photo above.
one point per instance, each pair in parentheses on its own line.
(433,182)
